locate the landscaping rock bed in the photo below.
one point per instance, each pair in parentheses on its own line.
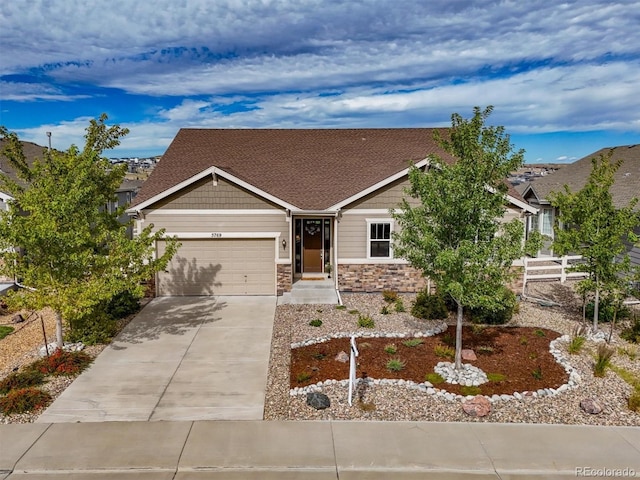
(397,400)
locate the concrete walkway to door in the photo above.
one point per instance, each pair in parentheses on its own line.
(180,358)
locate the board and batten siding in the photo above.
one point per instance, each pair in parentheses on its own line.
(206,194)
(211,223)
(634,250)
(387,197)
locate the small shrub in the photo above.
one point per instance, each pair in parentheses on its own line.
(539,333)
(18,380)
(444,351)
(316,322)
(24,400)
(634,402)
(632,332)
(500,314)
(395,364)
(92,327)
(606,310)
(366,406)
(341,307)
(496,377)
(389,296)
(122,305)
(319,310)
(365,321)
(385,310)
(413,342)
(429,307)
(448,339)
(630,351)
(533,356)
(603,359)
(484,349)
(477,328)
(319,355)
(434,378)
(524,340)
(400,306)
(576,344)
(354,312)
(5,330)
(62,363)
(391,349)
(537,373)
(303,377)
(470,390)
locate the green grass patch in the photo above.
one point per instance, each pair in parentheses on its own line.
(496,377)
(434,378)
(470,390)
(413,342)
(5,330)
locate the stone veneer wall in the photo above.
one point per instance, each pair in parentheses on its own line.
(378,277)
(284,278)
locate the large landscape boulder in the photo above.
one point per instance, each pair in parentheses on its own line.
(591,406)
(318,400)
(478,406)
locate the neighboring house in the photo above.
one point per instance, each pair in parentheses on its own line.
(575,175)
(255,210)
(124,196)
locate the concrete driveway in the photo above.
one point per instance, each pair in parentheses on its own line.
(180,358)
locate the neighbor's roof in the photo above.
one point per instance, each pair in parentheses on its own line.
(310,169)
(31,152)
(575,175)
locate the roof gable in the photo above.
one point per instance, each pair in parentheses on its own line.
(576,174)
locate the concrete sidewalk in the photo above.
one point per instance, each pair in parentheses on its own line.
(315,450)
(180,358)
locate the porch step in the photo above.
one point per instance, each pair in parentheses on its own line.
(311,292)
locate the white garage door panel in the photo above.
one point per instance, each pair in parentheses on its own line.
(220,267)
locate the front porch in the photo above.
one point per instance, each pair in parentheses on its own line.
(318,289)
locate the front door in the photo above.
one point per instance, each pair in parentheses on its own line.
(312,245)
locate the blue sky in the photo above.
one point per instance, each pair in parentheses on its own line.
(564,78)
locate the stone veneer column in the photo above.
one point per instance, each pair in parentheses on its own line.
(284,278)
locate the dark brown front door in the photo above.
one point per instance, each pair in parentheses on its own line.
(312,245)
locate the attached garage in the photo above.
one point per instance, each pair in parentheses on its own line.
(238,266)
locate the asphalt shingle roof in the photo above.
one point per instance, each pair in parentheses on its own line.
(312,169)
(575,175)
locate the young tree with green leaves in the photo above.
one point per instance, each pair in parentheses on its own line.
(456,235)
(588,224)
(58,239)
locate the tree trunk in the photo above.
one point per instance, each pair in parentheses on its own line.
(458,364)
(59,330)
(613,324)
(596,305)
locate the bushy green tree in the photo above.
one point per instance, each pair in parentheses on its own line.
(66,250)
(456,235)
(589,224)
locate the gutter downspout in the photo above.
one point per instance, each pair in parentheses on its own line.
(335,256)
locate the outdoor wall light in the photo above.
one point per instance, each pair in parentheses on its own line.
(284,243)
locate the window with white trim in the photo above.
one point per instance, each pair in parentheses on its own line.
(379,238)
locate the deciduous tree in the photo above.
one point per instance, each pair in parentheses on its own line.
(589,224)
(58,239)
(456,235)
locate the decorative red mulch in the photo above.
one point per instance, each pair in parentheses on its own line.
(520,354)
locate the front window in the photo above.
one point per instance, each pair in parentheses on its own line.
(379,239)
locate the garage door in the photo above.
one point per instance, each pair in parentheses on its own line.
(220,267)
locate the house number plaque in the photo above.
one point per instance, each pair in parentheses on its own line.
(216,235)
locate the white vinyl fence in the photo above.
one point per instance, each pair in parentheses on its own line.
(551,268)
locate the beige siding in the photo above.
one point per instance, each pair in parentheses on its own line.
(352,235)
(207,223)
(511,213)
(385,198)
(204,194)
